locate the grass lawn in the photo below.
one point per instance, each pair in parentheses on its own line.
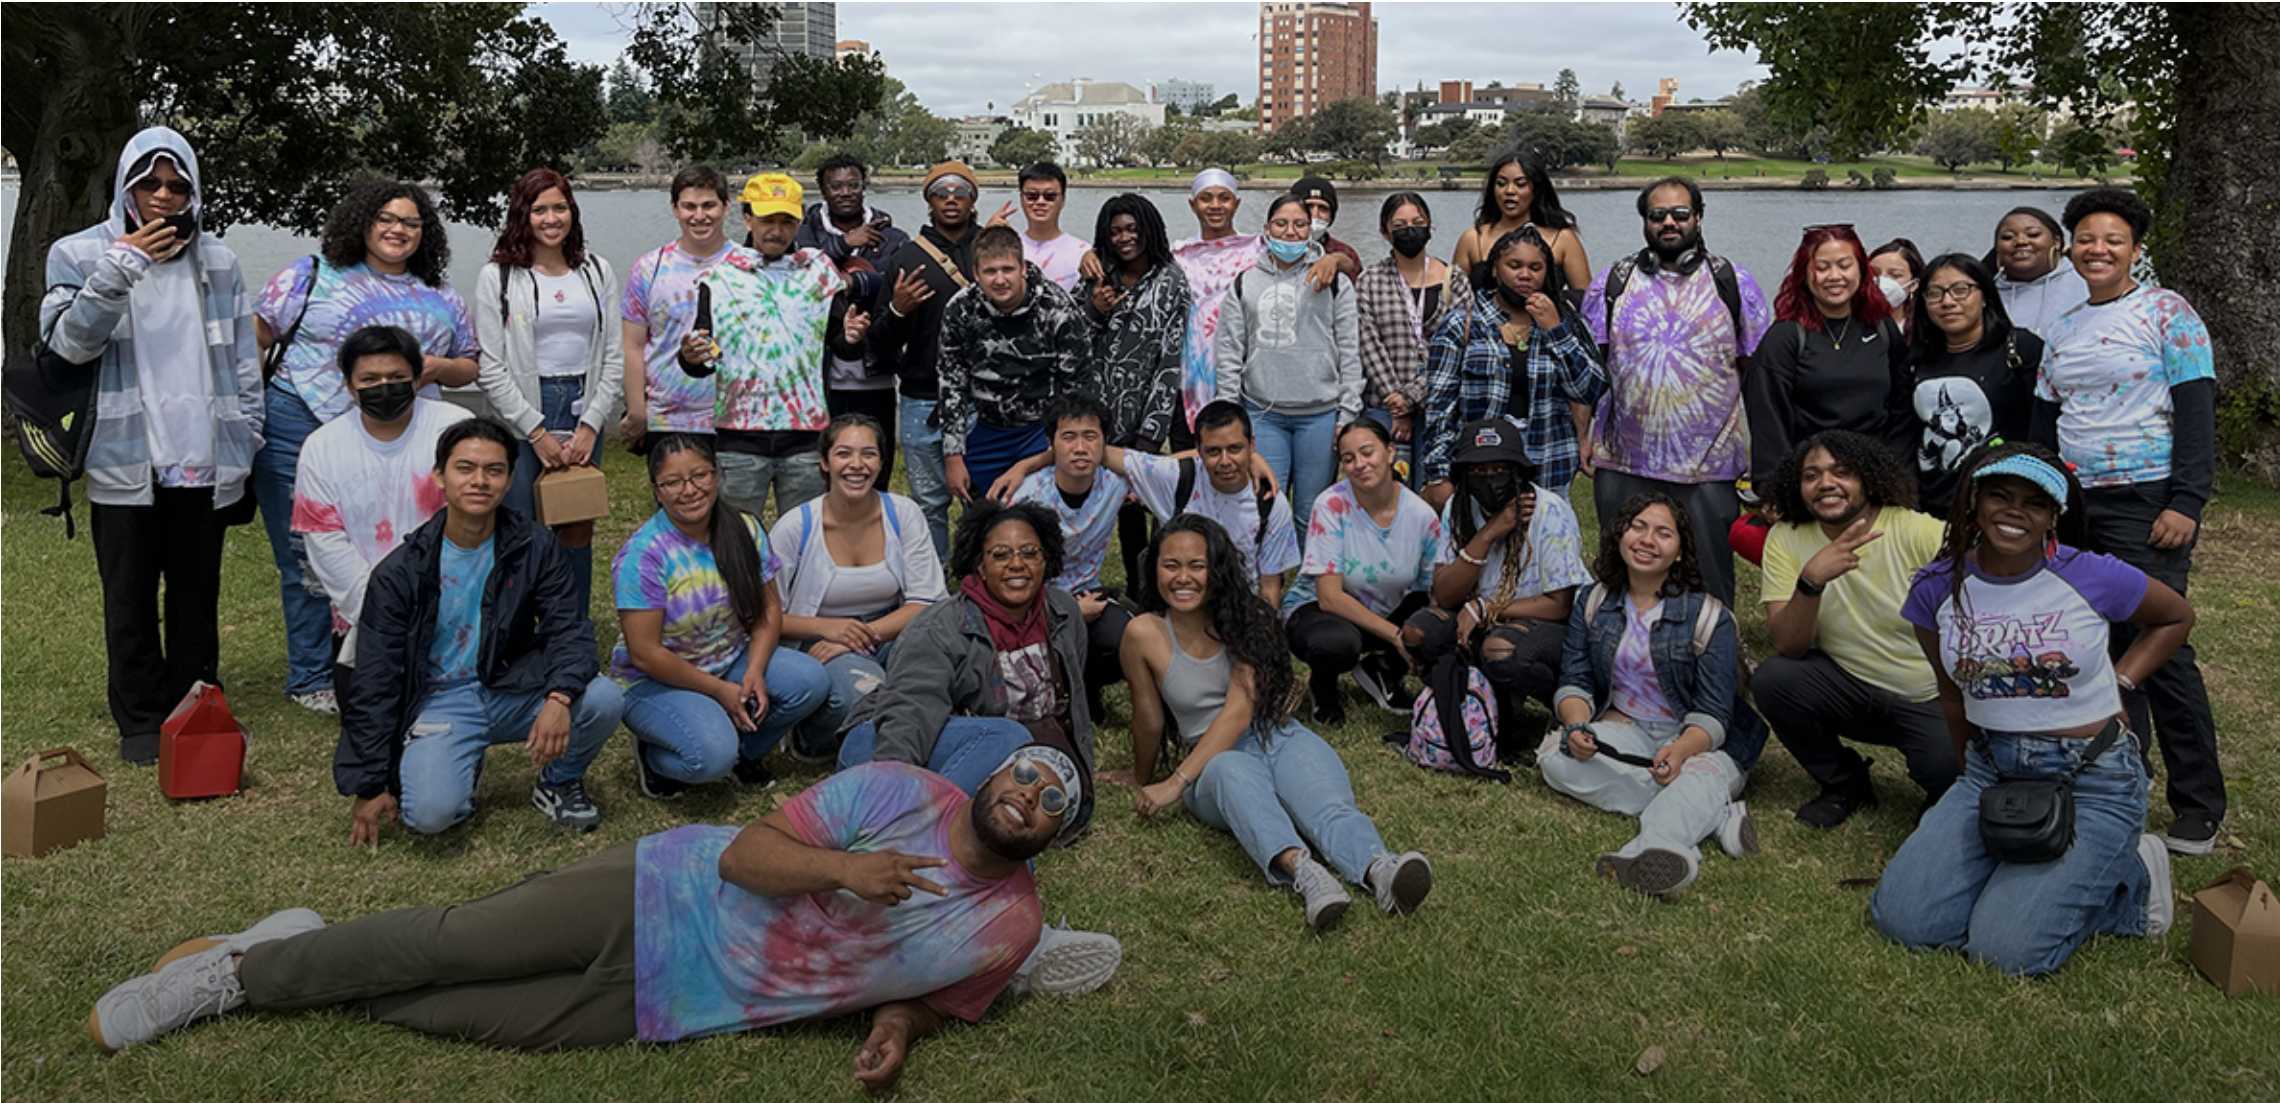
(1522,977)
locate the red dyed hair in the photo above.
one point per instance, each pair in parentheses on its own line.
(1795,302)
(515,237)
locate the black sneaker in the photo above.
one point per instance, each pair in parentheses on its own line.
(1384,683)
(142,750)
(1329,711)
(753,774)
(654,785)
(567,805)
(2191,834)
(1837,803)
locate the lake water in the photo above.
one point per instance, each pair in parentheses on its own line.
(1757,229)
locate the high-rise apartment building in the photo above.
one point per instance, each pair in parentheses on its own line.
(800,28)
(1312,54)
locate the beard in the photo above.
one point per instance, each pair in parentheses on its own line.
(997,840)
(1668,252)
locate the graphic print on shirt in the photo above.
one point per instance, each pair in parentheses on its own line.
(1957,418)
(2016,657)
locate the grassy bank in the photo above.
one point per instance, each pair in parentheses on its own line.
(1735,170)
(1522,977)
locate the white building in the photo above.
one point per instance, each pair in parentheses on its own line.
(1189,96)
(1063,108)
(1608,111)
(976,134)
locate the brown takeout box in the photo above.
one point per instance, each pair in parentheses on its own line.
(44,807)
(572,494)
(2236,933)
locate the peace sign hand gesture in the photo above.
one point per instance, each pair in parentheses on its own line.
(1840,556)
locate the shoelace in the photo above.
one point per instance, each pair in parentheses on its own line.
(208,990)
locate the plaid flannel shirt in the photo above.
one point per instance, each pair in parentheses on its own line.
(1393,355)
(1467,378)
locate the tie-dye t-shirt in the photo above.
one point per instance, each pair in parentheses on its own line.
(459,613)
(344,300)
(2110,367)
(710,957)
(1554,558)
(661,568)
(1673,409)
(1210,267)
(355,497)
(769,321)
(1636,692)
(1084,530)
(1156,482)
(661,295)
(1377,566)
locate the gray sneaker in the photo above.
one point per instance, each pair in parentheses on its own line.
(276,925)
(1737,833)
(189,989)
(1400,882)
(1326,899)
(318,700)
(1067,963)
(1652,872)
(567,805)
(1383,683)
(2160,896)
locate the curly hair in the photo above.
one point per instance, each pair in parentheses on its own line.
(516,237)
(1240,618)
(1883,478)
(2122,203)
(352,218)
(1962,535)
(1794,302)
(1685,576)
(984,515)
(1155,241)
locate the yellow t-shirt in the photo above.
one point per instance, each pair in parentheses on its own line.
(1860,623)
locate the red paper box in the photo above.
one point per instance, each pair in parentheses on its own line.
(201,747)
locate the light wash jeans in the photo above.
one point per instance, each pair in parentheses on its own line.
(1302,449)
(1671,817)
(1291,791)
(687,736)
(287,422)
(922,464)
(558,410)
(1944,891)
(968,751)
(745,480)
(853,676)
(443,753)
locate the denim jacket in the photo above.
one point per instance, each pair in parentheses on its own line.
(1703,690)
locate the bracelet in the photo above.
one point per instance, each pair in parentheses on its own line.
(560,698)
(1477,561)
(2125,681)
(1185,780)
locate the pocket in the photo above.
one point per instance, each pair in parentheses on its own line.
(426,728)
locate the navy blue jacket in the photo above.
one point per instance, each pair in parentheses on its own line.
(534,638)
(1703,691)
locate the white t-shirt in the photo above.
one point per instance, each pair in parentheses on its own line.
(1377,566)
(1085,529)
(2029,653)
(1057,258)
(1156,482)
(356,497)
(1555,549)
(567,321)
(860,591)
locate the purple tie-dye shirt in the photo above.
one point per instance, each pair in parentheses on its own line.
(661,296)
(1210,267)
(1673,409)
(661,568)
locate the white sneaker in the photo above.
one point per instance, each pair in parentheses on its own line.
(1651,872)
(187,990)
(1067,963)
(1400,883)
(276,925)
(321,700)
(2160,897)
(1737,833)
(1326,899)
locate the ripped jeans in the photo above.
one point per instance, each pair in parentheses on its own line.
(443,752)
(1520,657)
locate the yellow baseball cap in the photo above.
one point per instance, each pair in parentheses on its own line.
(772,193)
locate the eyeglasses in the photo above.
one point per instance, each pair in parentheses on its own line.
(386,219)
(1039,196)
(1958,291)
(1678,214)
(1053,801)
(1288,224)
(1029,553)
(151,185)
(702,480)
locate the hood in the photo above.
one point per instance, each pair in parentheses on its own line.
(2064,269)
(157,139)
(1267,265)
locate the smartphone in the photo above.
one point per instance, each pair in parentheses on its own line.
(185,225)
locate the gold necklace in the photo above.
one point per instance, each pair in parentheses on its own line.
(1838,339)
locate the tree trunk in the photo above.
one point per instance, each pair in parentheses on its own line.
(2226,260)
(66,126)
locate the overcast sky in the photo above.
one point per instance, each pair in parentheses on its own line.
(961,58)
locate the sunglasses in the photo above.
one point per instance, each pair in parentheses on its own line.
(1679,214)
(949,191)
(1054,801)
(1029,553)
(1039,196)
(151,185)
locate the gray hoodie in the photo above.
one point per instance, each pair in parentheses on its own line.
(1286,347)
(2035,304)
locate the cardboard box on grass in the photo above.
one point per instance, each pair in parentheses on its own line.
(2236,933)
(201,747)
(571,494)
(52,801)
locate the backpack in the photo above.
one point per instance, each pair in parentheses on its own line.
(52,403)
(1721,273)
(1184,494)
(1453,725)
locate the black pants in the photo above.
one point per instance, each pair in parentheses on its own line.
(176,540)
(1814,705)
(1104,664)
(879,406)
(2173,704)
(1331,645)
(1531,672)
(1711,507)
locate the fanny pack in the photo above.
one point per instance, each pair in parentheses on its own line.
(2031,819)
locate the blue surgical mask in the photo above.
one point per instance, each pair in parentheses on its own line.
(1288,252)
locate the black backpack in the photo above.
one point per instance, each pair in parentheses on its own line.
(52,403)
(1184,494)
(1721,273)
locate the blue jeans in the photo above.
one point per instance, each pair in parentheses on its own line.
(308,615)
(853,676)
(1944,891)
(922,464)
(443,753)
(558,405)
(1302,449)
(968,751)
(687,736)
(1291,791)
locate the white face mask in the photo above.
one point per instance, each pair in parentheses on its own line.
(1895,292)
(1321,230)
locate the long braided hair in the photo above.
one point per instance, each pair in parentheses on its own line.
(1963,533)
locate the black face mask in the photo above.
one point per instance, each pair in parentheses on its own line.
(1410,240)
(1492,492)
(387,401)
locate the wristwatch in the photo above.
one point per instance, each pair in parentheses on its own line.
(1806,587)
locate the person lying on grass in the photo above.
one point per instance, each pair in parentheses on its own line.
(1211,655)
(882,887)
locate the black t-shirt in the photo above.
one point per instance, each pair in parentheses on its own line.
(1963,399)
(1802,382)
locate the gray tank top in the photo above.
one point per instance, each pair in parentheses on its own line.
(1195,689)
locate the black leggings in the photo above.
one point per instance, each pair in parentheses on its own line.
(1331,645)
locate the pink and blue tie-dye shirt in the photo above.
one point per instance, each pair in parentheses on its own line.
(343,300)
(2110,366)
(661,295)
(661,568)
(1377,566)
(1085,529)
(710,957)
(769,321)
(1210,267)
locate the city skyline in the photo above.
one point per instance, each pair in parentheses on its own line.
(930,47)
